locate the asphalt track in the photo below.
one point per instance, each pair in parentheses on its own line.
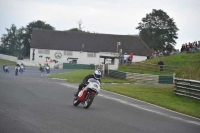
(33,103)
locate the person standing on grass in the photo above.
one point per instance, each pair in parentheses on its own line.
(161,64)
(131,57)
(125,57)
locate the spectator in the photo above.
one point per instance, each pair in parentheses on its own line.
(121,59)
(131,57)
(148,57)
(161,64)
(155,54)
(198,45)
(158,53)
(183,48)
(125,57)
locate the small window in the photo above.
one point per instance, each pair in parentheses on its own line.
(40,51)
(46,51)
(69,53)
(91,54)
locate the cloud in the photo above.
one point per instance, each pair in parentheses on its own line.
(109,17)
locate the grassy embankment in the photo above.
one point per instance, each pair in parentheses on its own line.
(188,63)
(8,63)
(159,95)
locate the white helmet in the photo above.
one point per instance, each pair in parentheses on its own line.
(97,74)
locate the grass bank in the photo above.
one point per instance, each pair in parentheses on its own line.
(162,96)
(78,75)
(8,63)
(188,63)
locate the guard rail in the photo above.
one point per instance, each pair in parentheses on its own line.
(188,88)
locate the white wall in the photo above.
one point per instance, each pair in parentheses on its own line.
(137,58)
(8,57)
(114,67)
(82,58)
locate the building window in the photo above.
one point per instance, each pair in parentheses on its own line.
(69,53)
(91,54)
(41,51)
(46,51)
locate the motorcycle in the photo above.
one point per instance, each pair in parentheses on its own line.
(87,94)
(6,69)
(16,70)
(47,69)
(21,69)
(41,69)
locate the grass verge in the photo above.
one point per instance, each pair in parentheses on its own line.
(8,63)
(78,75)
(159,95)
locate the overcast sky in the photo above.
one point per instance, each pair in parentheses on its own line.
(102,16)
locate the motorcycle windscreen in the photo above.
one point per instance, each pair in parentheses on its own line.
(81,95)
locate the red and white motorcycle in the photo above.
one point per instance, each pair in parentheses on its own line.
(87,94)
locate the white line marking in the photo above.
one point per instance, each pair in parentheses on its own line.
(140,107)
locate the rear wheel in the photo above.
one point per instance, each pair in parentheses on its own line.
(89,101)
(76,102)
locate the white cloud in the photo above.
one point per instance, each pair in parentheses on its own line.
(109,17)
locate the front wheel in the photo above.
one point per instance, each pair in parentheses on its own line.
(76,102)
(89,101)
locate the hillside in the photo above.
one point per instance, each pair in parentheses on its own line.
(188,63)
(180,60)
(8,63)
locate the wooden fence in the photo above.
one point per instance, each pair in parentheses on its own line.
(152,67)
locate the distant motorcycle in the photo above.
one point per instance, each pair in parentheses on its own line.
(21,69)
(41,69)
(6,69)
(87,94)
(47,69)
(16,70)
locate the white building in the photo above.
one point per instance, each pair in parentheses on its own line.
(84,48)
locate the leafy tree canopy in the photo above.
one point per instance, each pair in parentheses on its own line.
(158,30)
(12,41)
(75,30)
(27,36)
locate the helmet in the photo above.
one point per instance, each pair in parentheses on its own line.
(97,74)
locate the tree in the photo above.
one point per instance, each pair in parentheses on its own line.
(28,33)
(10,41)
(158,30)
(75,30)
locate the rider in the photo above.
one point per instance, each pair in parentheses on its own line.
(17,66)
(4,67)
(22,64)
(40,67)
(96,75)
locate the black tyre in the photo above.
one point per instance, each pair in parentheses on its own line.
(89,101)
(76,102)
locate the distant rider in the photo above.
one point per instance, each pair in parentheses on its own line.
(22,64)
(40,67)
(4,67)
(96,75)
(17,66)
